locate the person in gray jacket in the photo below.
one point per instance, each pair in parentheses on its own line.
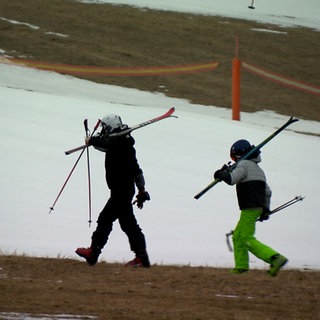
(254,196)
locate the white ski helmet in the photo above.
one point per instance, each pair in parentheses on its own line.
(110,123)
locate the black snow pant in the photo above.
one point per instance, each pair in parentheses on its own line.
(119,206)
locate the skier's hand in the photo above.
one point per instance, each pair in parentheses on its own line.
(141,197)
(87,140)
(264,215)
(223,175)
(225,167)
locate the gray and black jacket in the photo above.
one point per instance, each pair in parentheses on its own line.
(252,188)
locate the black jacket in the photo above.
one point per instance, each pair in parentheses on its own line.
(121,165)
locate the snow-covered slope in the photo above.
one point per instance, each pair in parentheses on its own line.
(42,115)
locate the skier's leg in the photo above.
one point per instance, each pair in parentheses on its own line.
(264,252)
(104,224)
(129,225)
(244,237)
(241,254)
(257,248)
(100,235)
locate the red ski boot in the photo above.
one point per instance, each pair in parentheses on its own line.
(140,261)
(91,255)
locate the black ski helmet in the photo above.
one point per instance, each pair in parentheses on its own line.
(239,149)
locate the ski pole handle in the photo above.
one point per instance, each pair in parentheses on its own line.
(96,127)
(86,129)
(84,145)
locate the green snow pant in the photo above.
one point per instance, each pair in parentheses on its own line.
(245,242)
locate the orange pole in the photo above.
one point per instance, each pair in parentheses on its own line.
(236,66)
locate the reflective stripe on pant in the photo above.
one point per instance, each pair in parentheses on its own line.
(245,242)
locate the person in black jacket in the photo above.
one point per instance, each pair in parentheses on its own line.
(123,173)
(253,195)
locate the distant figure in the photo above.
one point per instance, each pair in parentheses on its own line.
(122,175)
(254,197)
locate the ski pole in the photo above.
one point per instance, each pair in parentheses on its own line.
(66,181)
(251,6)
(287,204)
(228,240)
(281,207)
(89,176)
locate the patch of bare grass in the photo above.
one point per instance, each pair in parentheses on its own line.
(111,291)
(113,35)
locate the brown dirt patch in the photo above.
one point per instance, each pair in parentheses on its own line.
(110,291)
(110,35)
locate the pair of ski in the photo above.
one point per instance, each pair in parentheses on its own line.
(168,114)
(248,155)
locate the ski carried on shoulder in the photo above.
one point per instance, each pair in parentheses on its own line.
(143,124)
(168,114)
(246,156)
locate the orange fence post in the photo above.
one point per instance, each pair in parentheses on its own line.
(236,66)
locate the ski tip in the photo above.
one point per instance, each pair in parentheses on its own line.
(292,119)
(171,111)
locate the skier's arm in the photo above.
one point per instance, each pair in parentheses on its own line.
(223,175)
(268,194)
(266,208)
(142,195)
(139,181)
(100,142)
(239,173)
(231,177)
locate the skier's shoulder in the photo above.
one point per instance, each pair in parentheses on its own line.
(250,162)
(252,170)
(247,166)
(126,140)
(244,164)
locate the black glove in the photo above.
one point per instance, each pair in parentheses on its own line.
(264,215)
(141,197)
(223,174)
